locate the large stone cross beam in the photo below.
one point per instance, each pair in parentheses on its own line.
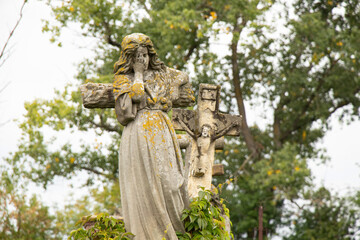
(100,95)
(205,127)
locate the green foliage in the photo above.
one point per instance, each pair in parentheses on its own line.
(23,218)
(205,218)
(267,182)
(104,199)
(325,217)
(103,227)
(53,159)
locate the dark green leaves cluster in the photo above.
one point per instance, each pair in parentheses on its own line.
(103,227)
(205,218)
(266,182)
(325,216)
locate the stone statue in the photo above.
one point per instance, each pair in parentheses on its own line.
(154,186)
(152,182)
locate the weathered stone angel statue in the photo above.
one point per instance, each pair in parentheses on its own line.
(152,181)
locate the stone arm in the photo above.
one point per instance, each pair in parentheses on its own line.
(186,128)
(125,109)
(224,131)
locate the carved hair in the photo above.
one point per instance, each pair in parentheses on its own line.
(129,46)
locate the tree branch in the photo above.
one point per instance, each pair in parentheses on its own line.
(299,124)
(343,103)
(108,36)
(5,86)
(249,139)
(12,32)
(105,126)
(94,171)
(236,173)
(143,3)
(191,50)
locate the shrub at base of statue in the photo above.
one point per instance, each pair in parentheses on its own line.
(203,220)
(100,226)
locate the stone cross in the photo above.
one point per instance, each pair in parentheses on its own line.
(205,128)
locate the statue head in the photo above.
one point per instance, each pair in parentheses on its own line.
(129,46)
(206,130)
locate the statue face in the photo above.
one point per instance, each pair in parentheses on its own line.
(142,56)
(205,131)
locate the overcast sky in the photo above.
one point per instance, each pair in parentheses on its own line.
(36,67)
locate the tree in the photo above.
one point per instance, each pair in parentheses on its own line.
(298,76)
(22,217)
(322,211)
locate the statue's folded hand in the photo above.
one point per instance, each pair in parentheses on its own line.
(137,91)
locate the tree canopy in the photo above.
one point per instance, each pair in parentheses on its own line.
(298,62)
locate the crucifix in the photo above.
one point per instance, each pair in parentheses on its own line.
(205,128)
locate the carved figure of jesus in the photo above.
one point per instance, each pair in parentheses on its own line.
(153,193)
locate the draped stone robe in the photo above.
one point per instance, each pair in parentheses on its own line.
(153,193)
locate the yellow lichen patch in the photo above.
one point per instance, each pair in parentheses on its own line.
(152,126)
(165,107)
(137,89)
(150,101)
(121,85)
(163,100)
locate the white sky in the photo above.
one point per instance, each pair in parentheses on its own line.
(36,67)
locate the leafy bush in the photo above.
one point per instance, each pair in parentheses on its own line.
(100,226)
(205,218)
